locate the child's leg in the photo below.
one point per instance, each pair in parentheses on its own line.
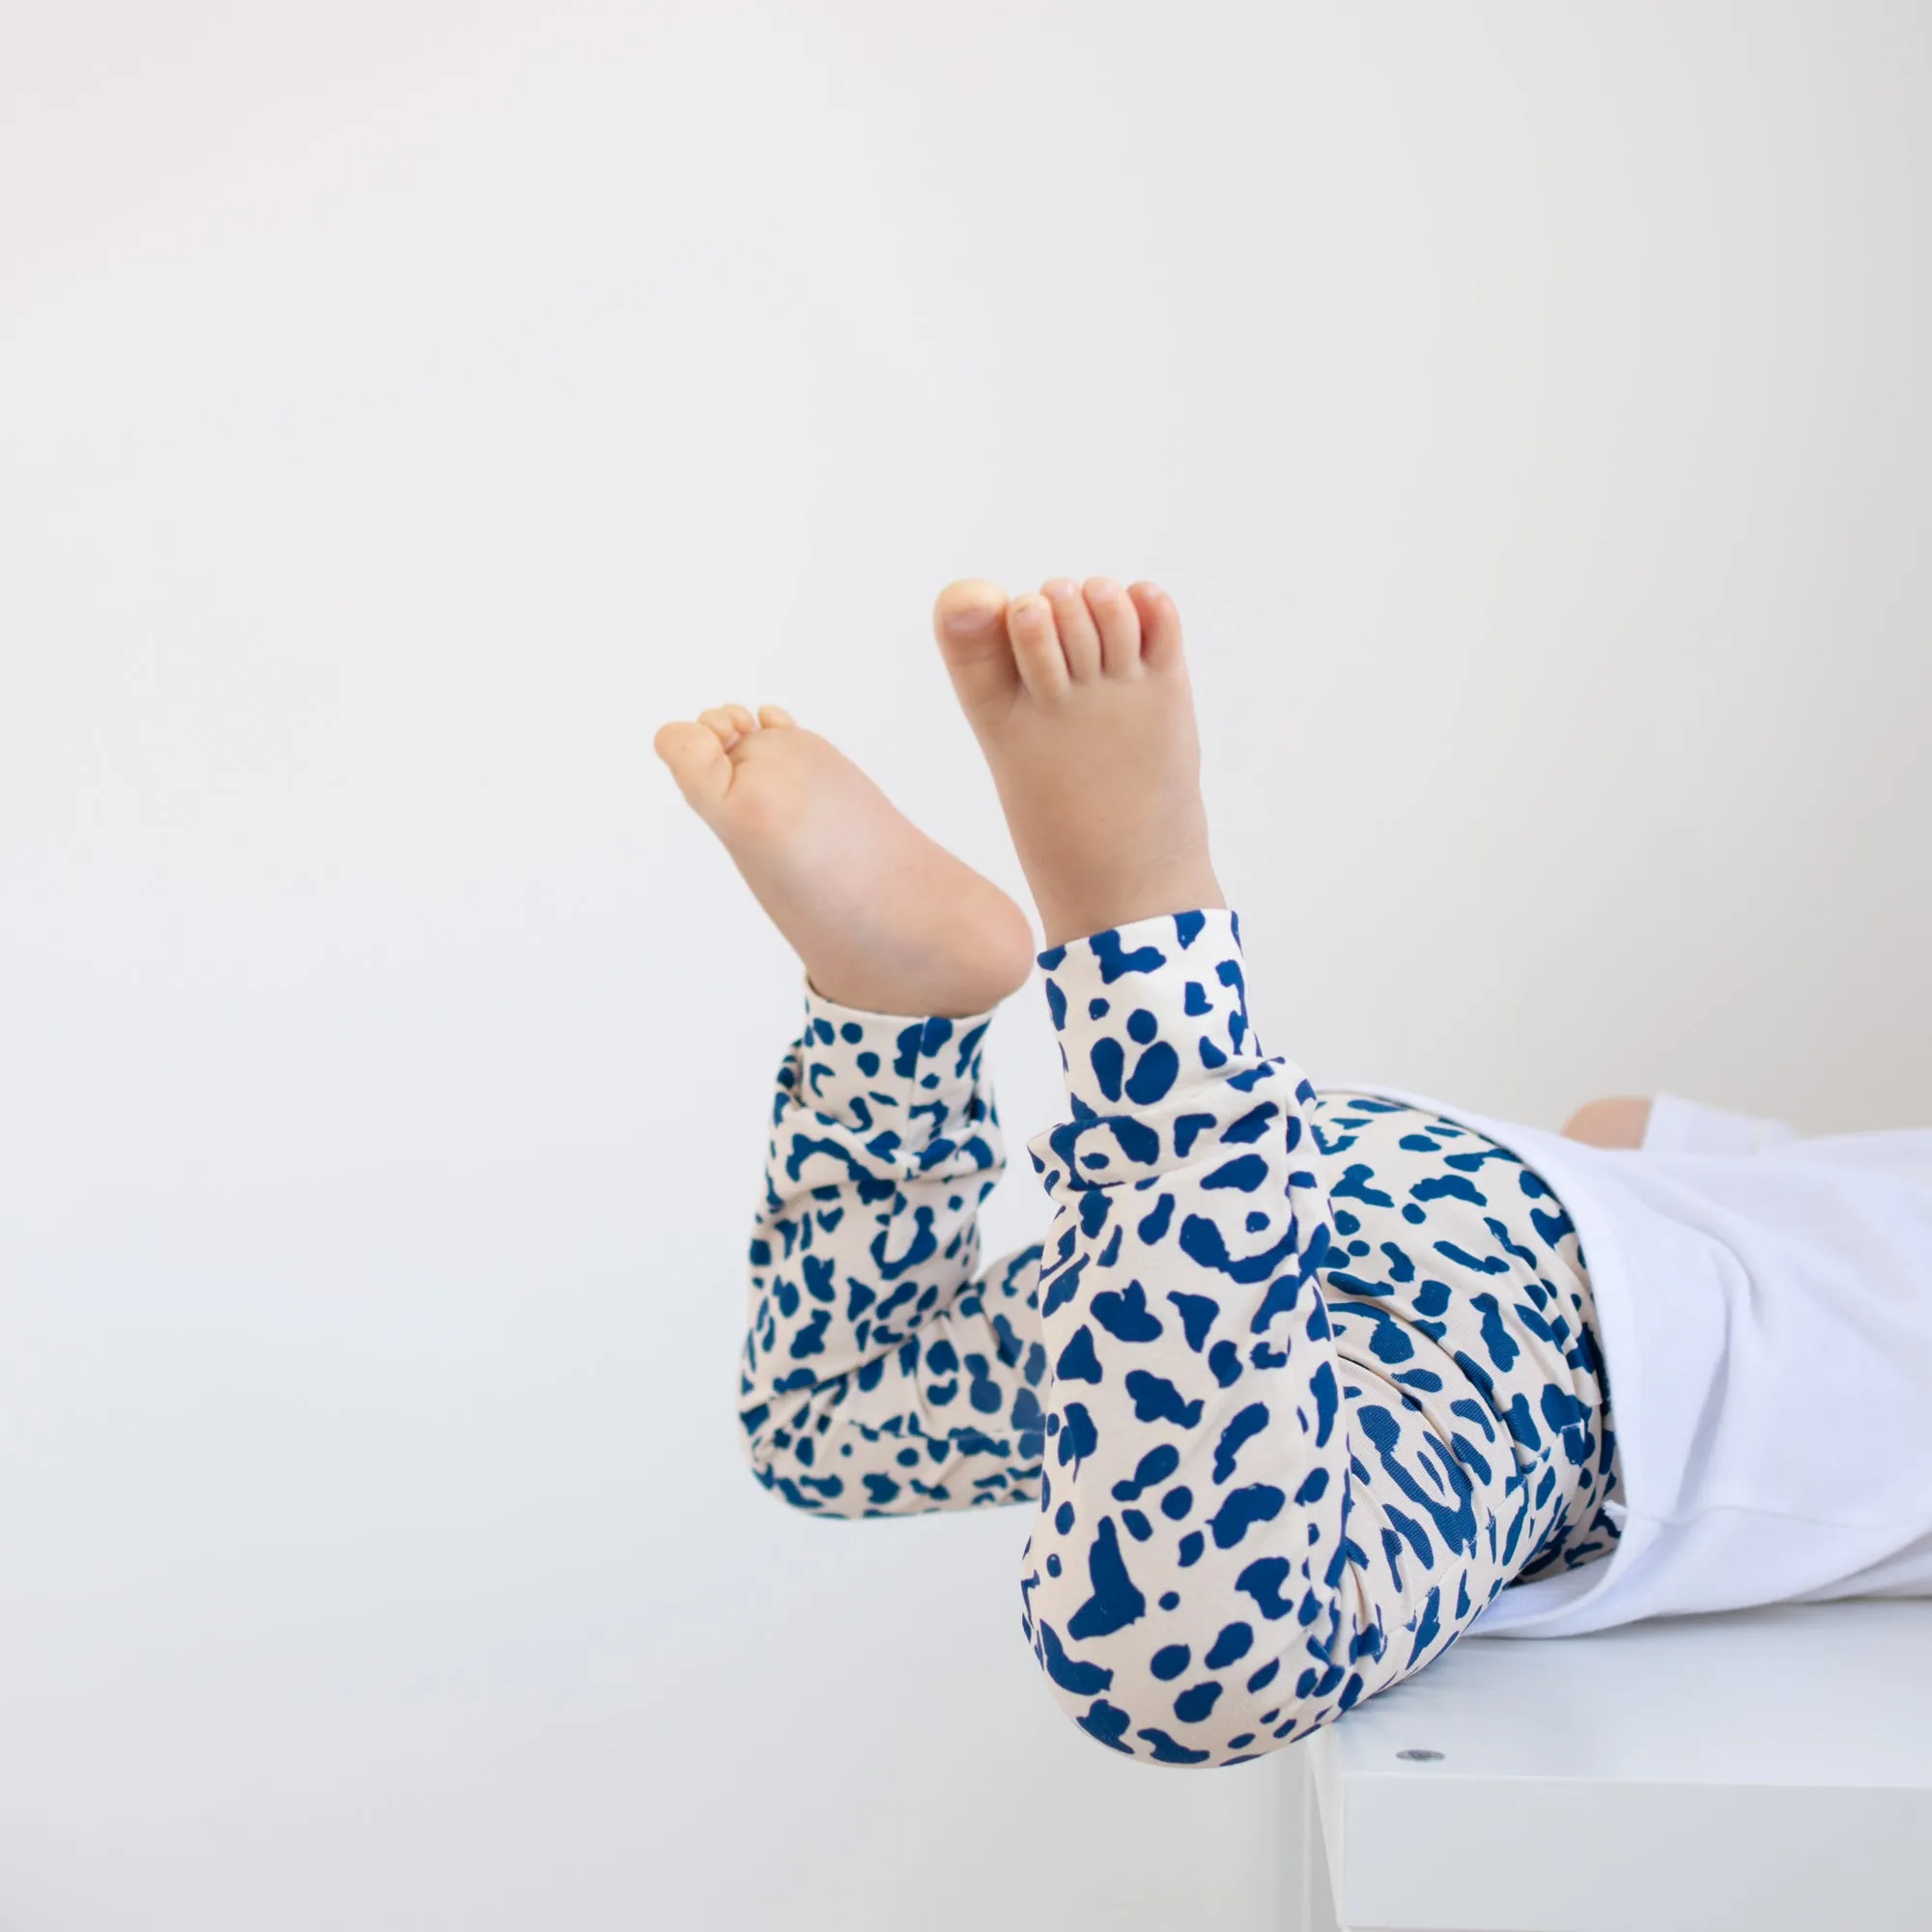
(881,1373)
(1240,1532)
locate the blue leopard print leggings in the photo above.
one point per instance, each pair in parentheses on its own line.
(1298,1383)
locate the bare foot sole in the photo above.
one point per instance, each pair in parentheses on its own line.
(1080,701)
(884,919)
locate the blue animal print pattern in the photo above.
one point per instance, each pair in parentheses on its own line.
(1298,1381)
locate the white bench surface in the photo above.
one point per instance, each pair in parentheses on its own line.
(1762,1770)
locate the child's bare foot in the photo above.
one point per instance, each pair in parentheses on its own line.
(884,919)
(1080,701)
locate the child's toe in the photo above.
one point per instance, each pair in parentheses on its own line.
(970,621)
(1160,624)
(776,717)
(1079,635)
(696,757)
(729,722)
(1037,648)
(1119,625)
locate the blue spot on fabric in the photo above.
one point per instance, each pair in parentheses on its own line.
(1391,1343)
(1170,1660)
(1187,1552)
(1154,1225)
(1167,1750)
(1155,1399)
(1108,1060)
(1103,1720)
(1059,1288)
(1314,1486)
(1154,1074)
(1116,963)
(1082,1680)
(1454,1185)
(1244,1427)
(1194,1704)
(1252,1124)
(1266,1675)
(881,1488)
(1502,1345)
(1195,1003)
(1154,1467)
(1115,1603)
(1551,1228)
(1197,1312)
(1225,1360)
(1077,1361)
(1142,1026)
(1413,1534)
(1241,1509)
(1187,1130)
(1357,1184)
(811,1338)
(923,1038)
(1321,1385)
(1284,1291)
(1262,1581)
(1125,1314)
(1231,1646)
(1095,1204)
(984,1394)
(1177,1502)
(1246,1172)
(1078,1438)
(1187,928)
(1431,1625)
(1200,1241)
(1462,1258)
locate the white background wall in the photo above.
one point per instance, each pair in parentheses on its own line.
(405,405)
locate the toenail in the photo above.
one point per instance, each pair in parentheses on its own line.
(965,622)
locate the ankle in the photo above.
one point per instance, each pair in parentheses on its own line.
(1076,908)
